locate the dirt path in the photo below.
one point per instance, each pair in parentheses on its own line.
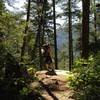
(53,87)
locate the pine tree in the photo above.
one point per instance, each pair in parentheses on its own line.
(70,37)
(55,40)
(41,18)
(24,45)
(71,12)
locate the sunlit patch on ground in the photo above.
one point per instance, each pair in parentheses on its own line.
(53,87)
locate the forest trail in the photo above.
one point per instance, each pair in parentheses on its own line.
(53,87)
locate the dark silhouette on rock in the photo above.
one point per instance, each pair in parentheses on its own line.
(46,51)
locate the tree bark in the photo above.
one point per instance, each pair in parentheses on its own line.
(40,32)
(24,45)
(85,28)
(70,37)
(95,26)
(55,39)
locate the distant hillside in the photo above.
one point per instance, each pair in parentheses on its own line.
(62,38)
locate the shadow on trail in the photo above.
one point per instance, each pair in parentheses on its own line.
(34,96)
(48,90)
(51,72)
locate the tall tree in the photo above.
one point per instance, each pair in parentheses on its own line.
(23,49)
(98,15)
(41,18)
(55,39)
(85,28)
(72,13)
(70,37)
(95,26)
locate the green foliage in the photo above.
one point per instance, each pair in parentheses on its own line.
(11,32)
(31,70)
(12,78)
(86,78)
(24,91)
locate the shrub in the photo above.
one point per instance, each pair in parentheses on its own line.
(86,78)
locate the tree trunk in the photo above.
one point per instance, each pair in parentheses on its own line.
(40,32)
(85,28)
(23,49)
(95,26)
(55,39)
(40,42)
(70,37)
(43,20)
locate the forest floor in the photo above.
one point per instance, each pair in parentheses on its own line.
(53,87)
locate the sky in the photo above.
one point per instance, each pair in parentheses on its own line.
(20,3)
